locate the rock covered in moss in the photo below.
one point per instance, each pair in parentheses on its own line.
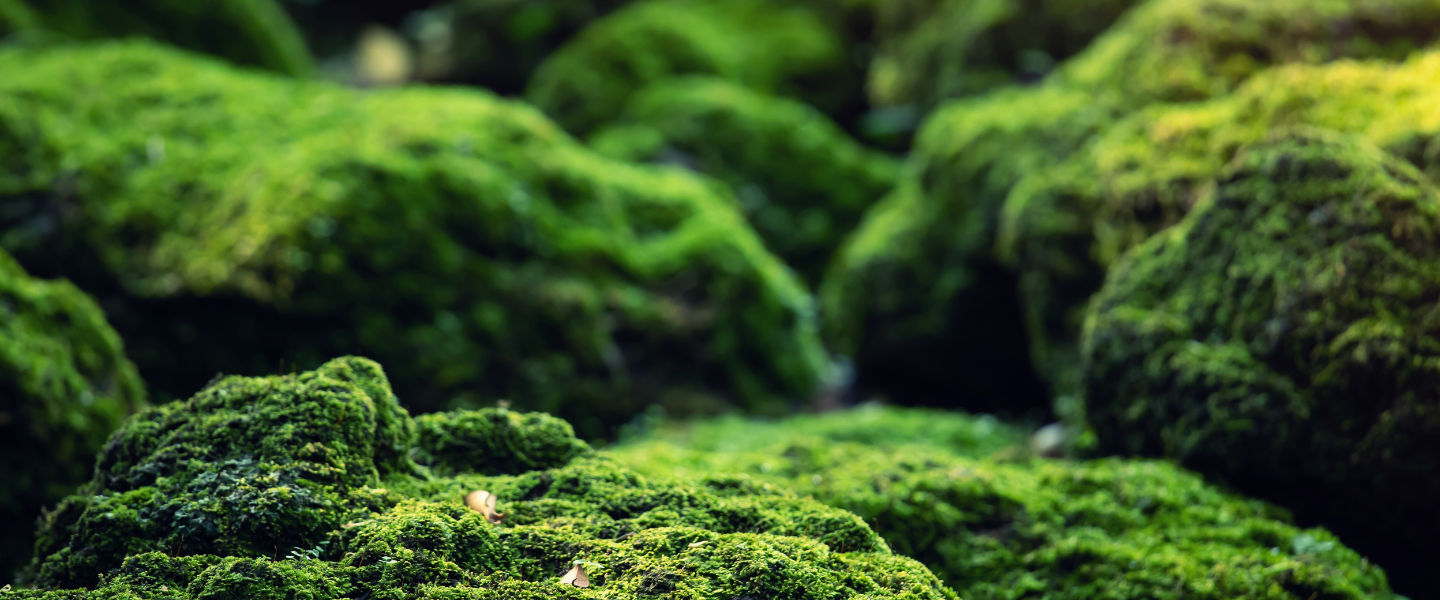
(469,441)
(464,239)
(1283,337)
(770,46)
(1008,528)
(929,51)
(800,179)
(302,486)
(65,383)
(248,32)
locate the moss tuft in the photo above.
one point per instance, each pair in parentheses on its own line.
(494,441)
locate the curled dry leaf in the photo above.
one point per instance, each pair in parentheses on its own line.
(483,502)
(576,577)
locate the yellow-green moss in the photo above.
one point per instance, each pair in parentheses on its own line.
(801,181)
(64,385)
(464,239)
(1284,336)
(1022,528)
(301,487)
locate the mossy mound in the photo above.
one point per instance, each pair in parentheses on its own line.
(770,46)
(302,486)
(1284,336)
(1023,528)
(462,238)
(801,180)
(929,51)
(248,32)
(64,385)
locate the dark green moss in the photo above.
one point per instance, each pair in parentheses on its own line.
(1283,336)
(1023,528)
(64,385)
(299,486)
(801,180)
(494,441)
(464,239)
(248,32)
(766,45)
(498,44)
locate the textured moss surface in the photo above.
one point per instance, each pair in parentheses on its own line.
(1023,528)
(1284,336)
(933,50)
(801,181)
(970,156)
(248,32)
(770,46)
(464,239)
(64,385)
(303,486)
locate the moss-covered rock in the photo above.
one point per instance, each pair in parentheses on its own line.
(929,51)
(462,238)
(302,486)
(771,46)
(801,181)
(64,385)
(971,155)
(1023,528)
(1283,336)
(248,32)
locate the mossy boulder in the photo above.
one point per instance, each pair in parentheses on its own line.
(463,238)
(770,46)
(304,486)
(957,493)
(1283,336)
(971,155)
(929,51)
(64,385)
(255,33)
(801,181)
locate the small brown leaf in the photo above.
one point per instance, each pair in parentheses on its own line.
(483,502)
(576,577)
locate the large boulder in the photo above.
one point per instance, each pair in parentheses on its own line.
(1284,338)
(242,222)
(64,385)
(959,494)
(303,486)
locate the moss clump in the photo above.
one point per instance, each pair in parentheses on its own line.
(64,385)
(933,50)
(300,486)
(992,528)
(471,441)
(464,239)
(1283,336)
(248,32)
(801,180)
(769,46)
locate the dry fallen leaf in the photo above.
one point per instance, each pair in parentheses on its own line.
(576,577)
(483,502)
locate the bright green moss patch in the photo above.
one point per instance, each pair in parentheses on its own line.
(64,385)
(770,46)
(248,32)
(1284,336)
(300,486)
(995,528)
(463,239)
(801,181)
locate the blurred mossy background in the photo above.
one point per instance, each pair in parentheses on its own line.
(1200,231)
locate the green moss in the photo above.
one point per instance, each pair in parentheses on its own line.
(494,441)
(463,239)
(64,385)
(933,50)
(769,46)
(801,180)
(15,16)
(299,486)
(247,32)
(1024,528)
(499,43)
(1283,336)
